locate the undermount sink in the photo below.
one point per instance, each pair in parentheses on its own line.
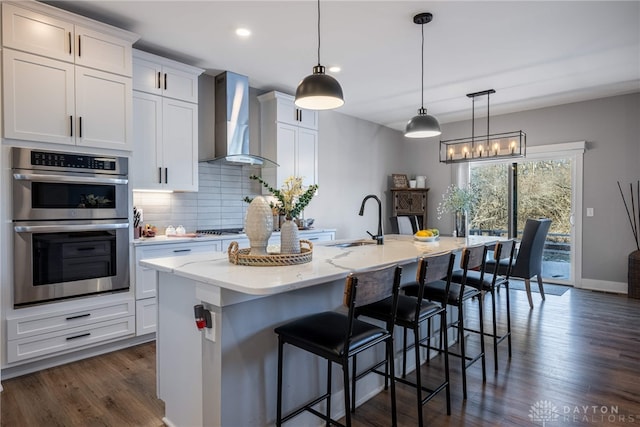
(354,243)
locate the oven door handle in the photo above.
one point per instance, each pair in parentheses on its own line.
(62,178)
(65,228)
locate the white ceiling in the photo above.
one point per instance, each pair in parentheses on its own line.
(533,53)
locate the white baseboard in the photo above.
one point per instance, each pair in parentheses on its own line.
(604,286)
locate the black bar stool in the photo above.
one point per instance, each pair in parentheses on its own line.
(490,281)
(338,337)
(413,312)
(473,257)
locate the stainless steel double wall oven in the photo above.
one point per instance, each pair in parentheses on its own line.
(71,229)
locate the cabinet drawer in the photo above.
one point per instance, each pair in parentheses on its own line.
(22,327)
(55,342)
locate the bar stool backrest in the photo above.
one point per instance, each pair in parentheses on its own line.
(368,287)
(504,250)
(432,269)
(473,258)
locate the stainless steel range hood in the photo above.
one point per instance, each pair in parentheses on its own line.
(232,122)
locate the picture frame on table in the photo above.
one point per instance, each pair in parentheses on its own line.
(400,180)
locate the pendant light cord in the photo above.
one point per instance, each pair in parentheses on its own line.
(318,32)
(422,74)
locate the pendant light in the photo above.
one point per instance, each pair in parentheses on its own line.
(423,125)
(489,147)
(319,91)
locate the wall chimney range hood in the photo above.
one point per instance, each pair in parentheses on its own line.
(232,123)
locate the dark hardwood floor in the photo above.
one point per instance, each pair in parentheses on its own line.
(578,354)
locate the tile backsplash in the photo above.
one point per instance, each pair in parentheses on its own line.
(217,204)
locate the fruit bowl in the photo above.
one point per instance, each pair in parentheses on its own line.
(432,236)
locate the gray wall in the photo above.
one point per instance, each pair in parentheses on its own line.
(610,126)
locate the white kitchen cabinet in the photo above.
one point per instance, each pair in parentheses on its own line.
(161,76)
(56,34)
(146,279)
(38,99)
(291,143)
(66,79)
(104,108)
(36,332)
(165,152)
(52,101)
(165,149)
(287,112)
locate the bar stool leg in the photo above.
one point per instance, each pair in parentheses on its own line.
(482,350)
(508,317)
(463,354)
(416,334)
(279,408)
(495,329)
(392,375)
(443,329)
(329,364)
(347,393)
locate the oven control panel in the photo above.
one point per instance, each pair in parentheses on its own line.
(29,159)
(68,160)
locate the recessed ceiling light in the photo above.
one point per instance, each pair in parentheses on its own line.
(335,69)
(243,32)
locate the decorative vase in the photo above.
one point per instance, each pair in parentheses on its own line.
(289,238)
(461,224)
(634,275)
(259,225)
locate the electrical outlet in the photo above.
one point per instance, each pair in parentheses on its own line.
(589,211)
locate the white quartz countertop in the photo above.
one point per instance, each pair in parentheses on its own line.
(163,239)
(329,263)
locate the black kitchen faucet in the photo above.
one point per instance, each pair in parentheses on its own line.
(379,238)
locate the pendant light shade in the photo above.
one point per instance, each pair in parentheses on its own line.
(319,91)
(423,125)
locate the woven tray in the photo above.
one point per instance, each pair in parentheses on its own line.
(242,257)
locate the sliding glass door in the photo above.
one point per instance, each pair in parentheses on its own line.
(541,185)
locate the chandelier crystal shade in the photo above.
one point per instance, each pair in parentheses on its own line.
(423,125)
(486,147)
(319,91)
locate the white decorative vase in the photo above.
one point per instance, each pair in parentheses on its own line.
(289,238)
(258,225)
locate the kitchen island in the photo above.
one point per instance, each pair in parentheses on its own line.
(226,376)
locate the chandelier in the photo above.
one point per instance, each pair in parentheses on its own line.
(485,147)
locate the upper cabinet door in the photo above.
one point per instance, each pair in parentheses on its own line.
(38,95)
(179,84)
(287,112)
(104,52)
(37,33)
(180,144)
(104,108)
(147,76)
